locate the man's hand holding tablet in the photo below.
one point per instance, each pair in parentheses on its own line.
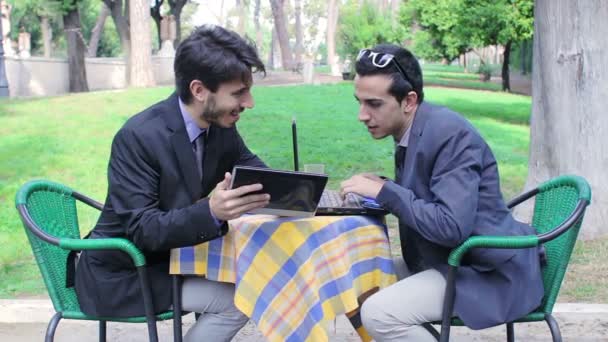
(227,204)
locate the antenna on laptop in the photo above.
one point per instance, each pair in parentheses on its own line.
(294,138)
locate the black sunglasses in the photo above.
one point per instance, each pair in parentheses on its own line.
(381,60)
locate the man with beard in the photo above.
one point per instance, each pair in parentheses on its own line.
(164,163)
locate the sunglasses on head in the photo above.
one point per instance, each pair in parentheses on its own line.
(381,60)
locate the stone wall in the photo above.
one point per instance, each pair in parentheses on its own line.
(39,76)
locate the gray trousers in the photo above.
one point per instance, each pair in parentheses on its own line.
(397,312)
(220,320)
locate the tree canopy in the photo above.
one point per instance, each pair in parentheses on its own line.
(362,25)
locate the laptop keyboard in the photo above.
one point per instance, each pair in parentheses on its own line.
(332,199)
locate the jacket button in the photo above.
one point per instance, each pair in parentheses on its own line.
(203,236)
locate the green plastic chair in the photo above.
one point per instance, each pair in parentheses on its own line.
(48,213)
(559,208)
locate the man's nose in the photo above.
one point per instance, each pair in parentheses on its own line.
(247,101)
(363,114)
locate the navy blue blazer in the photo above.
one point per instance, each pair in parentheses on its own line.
(157,200)
(448,191)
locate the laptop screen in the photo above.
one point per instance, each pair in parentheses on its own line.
(365,208)
(291,193)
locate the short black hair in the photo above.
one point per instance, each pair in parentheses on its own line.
(213,55)
(406,60)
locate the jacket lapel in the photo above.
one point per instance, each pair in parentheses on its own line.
(182,148)
(412,144)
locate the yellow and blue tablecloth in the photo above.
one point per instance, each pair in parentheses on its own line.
(292,275)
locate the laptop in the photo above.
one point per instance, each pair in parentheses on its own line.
(331,202)
(292,193)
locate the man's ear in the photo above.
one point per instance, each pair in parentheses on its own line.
(199,91)
(409,102)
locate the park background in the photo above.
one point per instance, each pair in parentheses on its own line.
(73,74)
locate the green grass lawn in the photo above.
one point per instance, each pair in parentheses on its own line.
(67,139)
(322,69)
(426,67)
(455,76)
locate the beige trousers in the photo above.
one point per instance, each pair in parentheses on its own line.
(220,320)
(397,312)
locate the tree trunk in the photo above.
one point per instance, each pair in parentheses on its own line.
(299,33)
(395,13)
(529,51)
(4,89)
(241,6)
(506,85)
(97,30)
(141,48)
(280,23)
(222,18)
(120,16)
(47,35)
(332,22)
(178,28)
(522,57)
(570,83)
(258,29)
(155,14)
(176,7)
(275,51)
(76,48)
(381,6)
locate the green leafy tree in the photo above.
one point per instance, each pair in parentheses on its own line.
(176,7)
(491,22)
(40,18)
(36,16)
(109,42)
(156,7)
(432,27)
(363,26)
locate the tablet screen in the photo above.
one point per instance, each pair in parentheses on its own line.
(292,193)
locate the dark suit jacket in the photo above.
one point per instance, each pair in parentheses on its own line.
(154,189)
(447,192)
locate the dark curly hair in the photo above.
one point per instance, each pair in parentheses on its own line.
(214,55)
(406,60)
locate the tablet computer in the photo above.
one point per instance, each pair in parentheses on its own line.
(292,193)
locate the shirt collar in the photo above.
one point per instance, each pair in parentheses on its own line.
(405,138)
(191,127)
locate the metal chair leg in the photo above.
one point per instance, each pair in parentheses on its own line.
(177,308)
(510,332)
(448,305)
(102,331)
(430,328)
(554,327)
(148,303)
(50,329)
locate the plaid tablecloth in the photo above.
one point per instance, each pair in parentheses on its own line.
(292,275)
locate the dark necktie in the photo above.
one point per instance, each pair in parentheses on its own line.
(399,160)
(412,256)
(199,147)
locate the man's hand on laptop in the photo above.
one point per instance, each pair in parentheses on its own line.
(364,184)
(227,204)
(373,177)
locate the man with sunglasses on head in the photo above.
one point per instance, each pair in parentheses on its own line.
(446,189)
(168,187)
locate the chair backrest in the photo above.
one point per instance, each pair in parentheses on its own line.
(50,208)
(554,203)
